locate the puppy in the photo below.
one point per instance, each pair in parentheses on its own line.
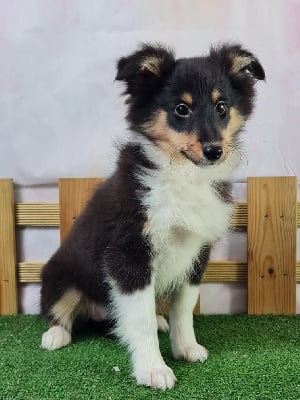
(148,230)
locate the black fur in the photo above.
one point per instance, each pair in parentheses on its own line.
(200,265)
(106,238)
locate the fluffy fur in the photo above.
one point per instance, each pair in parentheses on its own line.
(148,230)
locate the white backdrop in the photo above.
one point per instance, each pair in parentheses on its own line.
(61,111)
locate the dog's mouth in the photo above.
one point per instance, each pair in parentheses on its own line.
(201,161)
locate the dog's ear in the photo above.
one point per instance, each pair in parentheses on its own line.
(145,67)
(239,62)
(244,62)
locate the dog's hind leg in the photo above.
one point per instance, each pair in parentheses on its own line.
(62,315)
(162,324)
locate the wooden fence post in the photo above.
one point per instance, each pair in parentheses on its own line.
(8,281)
(73,195)
(272,245)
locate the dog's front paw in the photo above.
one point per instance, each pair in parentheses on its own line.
(192,353)
(160,377)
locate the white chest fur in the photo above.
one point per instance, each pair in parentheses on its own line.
(184,213)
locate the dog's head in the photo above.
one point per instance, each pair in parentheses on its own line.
(192,107)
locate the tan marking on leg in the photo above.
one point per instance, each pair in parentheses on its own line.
(215,95)
(66,309)
(96,312)
(52,323)
(187,98)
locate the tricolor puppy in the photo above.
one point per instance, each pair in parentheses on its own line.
(148,230)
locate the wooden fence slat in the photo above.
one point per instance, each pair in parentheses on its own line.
(272,245)
(37,214)
(217,271)
(239,215)
(8,282)
(73,195)
(47,214)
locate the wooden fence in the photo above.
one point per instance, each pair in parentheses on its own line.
(270,217)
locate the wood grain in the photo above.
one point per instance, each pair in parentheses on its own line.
(272,245)
(217,271)
(37,214)
(8,282)
(47,214)
(73,195)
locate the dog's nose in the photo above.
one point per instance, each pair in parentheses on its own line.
(212,152)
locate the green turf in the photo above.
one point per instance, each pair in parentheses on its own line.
(250,358)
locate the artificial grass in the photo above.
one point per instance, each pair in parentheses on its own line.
(251,357)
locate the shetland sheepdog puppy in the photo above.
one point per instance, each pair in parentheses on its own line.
(148,230)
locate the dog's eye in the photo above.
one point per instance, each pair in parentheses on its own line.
(182,110)
(221,108)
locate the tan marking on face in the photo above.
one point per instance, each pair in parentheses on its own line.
(151,64)
(240,62)
(67,308)
(172,142)
(187,98)
(225,148)
(234,125)
(215,95)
